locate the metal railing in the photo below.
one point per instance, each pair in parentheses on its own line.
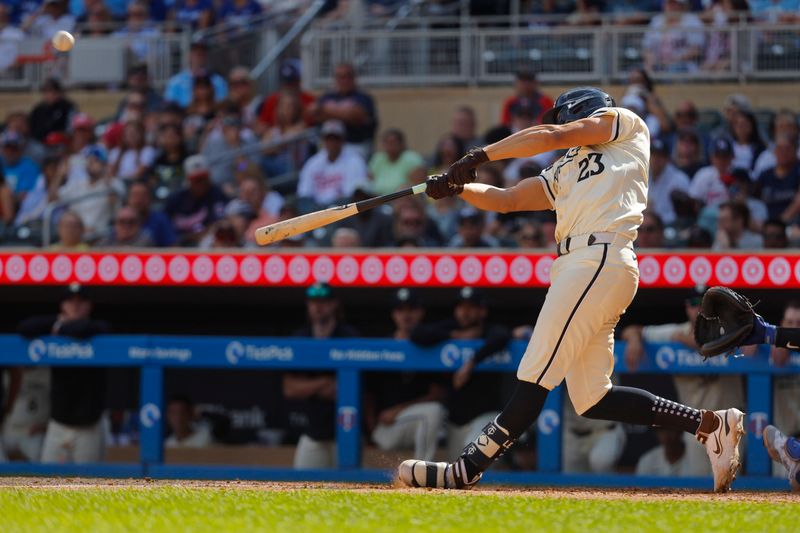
(98,60)
(433,51)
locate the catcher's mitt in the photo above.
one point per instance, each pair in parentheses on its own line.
(725,320)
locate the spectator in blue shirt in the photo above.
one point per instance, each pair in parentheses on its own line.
(239,12)
(198,205)
(198,14)
(778,186)
(156,223)
(21,173)
(179,87)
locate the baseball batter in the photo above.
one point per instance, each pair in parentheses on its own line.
(598,190)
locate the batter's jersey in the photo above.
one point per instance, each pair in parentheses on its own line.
(602,187)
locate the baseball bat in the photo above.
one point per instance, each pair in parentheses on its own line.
(311,221)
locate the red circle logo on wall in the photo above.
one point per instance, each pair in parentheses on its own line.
(496,270)
(372,270)
(61,268)
(446,269)
(753,270)
(85,268)
(421,269)
(779,271)
(700,271)
(202,269)
(726,270)
(108,268)
(521,270)
(38,268)
(323,268)
(674,270)
(179,269)
(155,268)
(543,266)
(471,270)
(649,270)
(347,269)
(299,269)
(132,269)
(226,269)
(275,269)
(250,269)
(396,270)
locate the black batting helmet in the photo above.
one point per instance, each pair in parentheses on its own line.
(576,104)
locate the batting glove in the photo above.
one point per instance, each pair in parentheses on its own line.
(439,187)
(463,170)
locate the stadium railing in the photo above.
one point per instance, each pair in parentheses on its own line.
(486,51)
(349,358)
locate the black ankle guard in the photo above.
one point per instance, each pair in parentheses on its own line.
(492,442)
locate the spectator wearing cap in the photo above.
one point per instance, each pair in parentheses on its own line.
(198,14)
(471,234)
(395,167)
(463,126)
(179,87)
(238,12)
(127,231)
(70,233)
(94,198)
(77,394)
(664,179)
(689,152)
(778,186)
(710,185)
(352,107)
(333,173)
(194,208)
(133,157)
(138,82)
(526,95)
(289,75)
(138,31)
(45,191)
(242,94)
(155,223)
(17,122)
(732,233)
(473,399)
(232,135)
(675,39)
(403,410)
(50,18)
(21,173)
(52,113)
(312,395)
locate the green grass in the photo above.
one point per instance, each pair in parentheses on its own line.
(172,509)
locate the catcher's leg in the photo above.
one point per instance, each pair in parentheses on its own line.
(786,451)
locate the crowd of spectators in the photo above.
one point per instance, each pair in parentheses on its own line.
(205,161)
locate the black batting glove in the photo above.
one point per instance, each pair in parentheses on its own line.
(439,187)
(463,170)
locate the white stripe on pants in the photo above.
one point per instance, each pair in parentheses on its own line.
(417,425)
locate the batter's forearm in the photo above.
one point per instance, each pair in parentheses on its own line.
(487,197)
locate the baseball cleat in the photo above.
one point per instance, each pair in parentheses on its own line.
(720,432)
(432,475)
(786,451)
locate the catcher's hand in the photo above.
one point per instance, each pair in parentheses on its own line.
(726,321)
